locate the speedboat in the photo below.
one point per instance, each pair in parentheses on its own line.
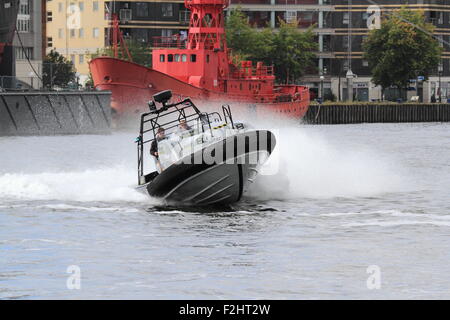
(209,160)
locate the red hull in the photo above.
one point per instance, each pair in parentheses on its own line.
(133,85)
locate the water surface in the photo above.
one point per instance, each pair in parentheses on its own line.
(344,198)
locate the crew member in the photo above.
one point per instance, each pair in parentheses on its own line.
(183,126)
(160,135)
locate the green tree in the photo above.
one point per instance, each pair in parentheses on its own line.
(241,37)
(293,51)
(289,49)
(402,49)
(57,70)
(140,53)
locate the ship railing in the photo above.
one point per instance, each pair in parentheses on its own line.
(175,41)
(224,3)
(249,72)
(168,117)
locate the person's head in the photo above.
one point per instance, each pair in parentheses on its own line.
(160,133)
(183,124)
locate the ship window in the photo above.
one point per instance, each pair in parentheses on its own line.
(207,58)
(161,58)
(193,57)
(240,86)
(170,57)
(183,58)
(177,58)
(249,86)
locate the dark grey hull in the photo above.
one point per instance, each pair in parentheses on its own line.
(221,182)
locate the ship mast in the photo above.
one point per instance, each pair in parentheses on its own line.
(206,26)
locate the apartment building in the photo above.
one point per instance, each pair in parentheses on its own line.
(27,46)
(79,28)
(341,26)
(75,29)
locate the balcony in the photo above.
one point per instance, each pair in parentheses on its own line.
(185,17)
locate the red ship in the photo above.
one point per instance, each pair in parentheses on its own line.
(198,67)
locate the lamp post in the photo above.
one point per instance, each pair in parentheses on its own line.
(31,74)
(77,75)
(321,88)
(350,75)
(440,69)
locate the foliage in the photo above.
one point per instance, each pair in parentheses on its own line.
(400,51)
(289,49)
(139,51)
(57,70)
(293,51)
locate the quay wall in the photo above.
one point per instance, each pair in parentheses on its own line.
(377,113)
(52,113)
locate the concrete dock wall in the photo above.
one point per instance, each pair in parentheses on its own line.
(377,113)
(48,113)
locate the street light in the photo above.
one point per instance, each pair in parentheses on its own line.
(440,69)
(31,74)
(321,87)
(350,75)
(77,75)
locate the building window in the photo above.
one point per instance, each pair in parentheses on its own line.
(345,42)
(72,58)
(60,7)
(140,35)
(141,9)
(167,9)
(81,32)
(23,53)
(60,33)
(81,6)
(95,5)
(49,16)
(291,16)
(72,33)
(24,7)
(161,58)
(23,25)
(441,40)
(125,14)
(166,33)
(49,42)
(95,32)
(345,65)
(81,58)
(346,18)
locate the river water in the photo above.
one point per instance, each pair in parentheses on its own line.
(349,212)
